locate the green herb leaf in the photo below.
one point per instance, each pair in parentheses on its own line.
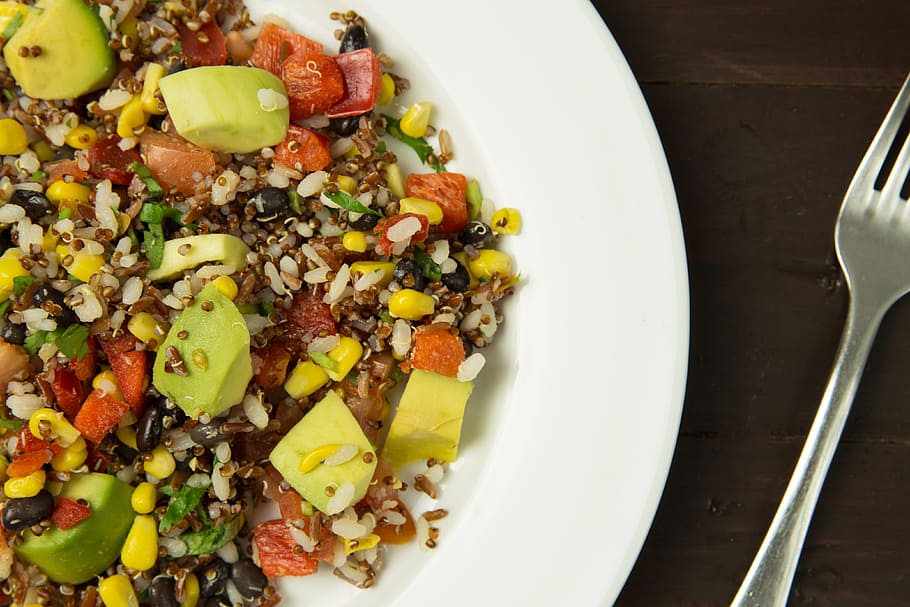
(380,148)
(429,267)
(294,198)
(5,306)
(21,283)
(34,341)
(386,317)
(72,278)
(153,238)
(210,540)
(146,176)
(157,212)
(349,203)
(38,175)
(177,48)
(183,501)
(324,361)
(11,424)
(267,307)
(420,146)
(65,213)
(72,341)
(14,24)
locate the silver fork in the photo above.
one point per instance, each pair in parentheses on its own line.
(872,238)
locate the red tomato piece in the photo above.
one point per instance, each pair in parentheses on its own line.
(314,83)
(108,161)
(124,342)
(438,351)
(131,370)
(67,389)
(309,314)
(58,169)
(26,463)
(275,44)
(203,47)
(68,512)
(273,367)
(275,546)
(362,79)
(87,366)
(448,191)
(382,228)
(303,150)
(99,415)
(175,163)
(28,442)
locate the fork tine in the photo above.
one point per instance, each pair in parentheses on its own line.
(898,175)
(871,163)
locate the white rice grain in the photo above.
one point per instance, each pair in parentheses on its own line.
(311,254)
(471,320)
(288,265)
(348,529)
(23,405)
(220,484)
(275,282)
(401,337)
(342,454)
(132,290)
(471,366)
(403,230)
(317,275)
(440,251)
(323,344)
(255,411)
(113,99)
(271,100)
(11,213)
(312,183)
(175,548)
(368,280)
(224,188)
(223,451)
(337,288)
(305,541)
(341,499)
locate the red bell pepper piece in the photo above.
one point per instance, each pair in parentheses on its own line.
(124,342)
(174,162)
(67,391)
(28,442)
(438,351)
(382,228)
(129,366)
(108,161)
(273,367)
(68,512)
(206,46)
(275,547)
(309,314)
(275,44)
(448,191)
(362,79)
(314,82)
(87,366)
(99,414)
(303,150)
(26,463)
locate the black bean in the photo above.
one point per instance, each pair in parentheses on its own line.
(218,601)
(354,38)
(269,202)
(476,233)
(149,429)
(467,345)
(212,577)
(163,592)
(173,415)
(365,223)
(52,301)
(6,240)
(23,512)
(13,333)
(36,204)
(408,274)
(457,280)
(248,578)
(345,127)
(210,434)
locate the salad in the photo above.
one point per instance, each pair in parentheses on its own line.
(222,286)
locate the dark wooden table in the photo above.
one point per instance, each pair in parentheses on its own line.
(765,108)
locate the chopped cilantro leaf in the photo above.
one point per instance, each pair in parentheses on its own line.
(324,361)
(183,501)
(420,146)
(5,306)
(429,267)
(10,424)
(210,539)
(146,176)
(72,341)
(21,283)
(34,341)
(349,203)
(13,25)
(153,238)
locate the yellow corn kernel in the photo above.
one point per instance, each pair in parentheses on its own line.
(140,549)
(361,543)
(117,591)
(3,465)
(416,119)
(420,206)
(127,436)
(226,286)
(13,138)
(72,457)
(129,34)
(345,354)
(489,262)
(63,190)
(25,486)
(151,104)
(44,151)
(410,304)
(10,269)
(142,326)
(161,464)
(304,379)
(506,221)
(386,89)
(50,425)
(354,241)
(367,267)
(352,152)
(81,138)
(144,497)
(348,184)
(394,179)
(85,265)
(106,381)
(49,241)
(315,457)
(190,591)
(132,116)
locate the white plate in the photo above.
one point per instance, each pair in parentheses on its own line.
(570,432)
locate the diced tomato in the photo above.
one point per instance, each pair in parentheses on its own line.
(131,370)
(309,314)
(99,415)
(58,169)
(108,161)
(124,342)
(26,463)
(68,512)
(273,367)
(28,443)
(275,44)
(362,79)
(98,460)
(277,557)
(87,366)
(289,503)
(173,162)
(314,83)
(448,191)
(438,351)
(397,534)
(67,389)
(382,228)
(203,47)
(303,150)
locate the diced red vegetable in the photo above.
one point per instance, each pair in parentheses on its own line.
(273,367)
(438,351)
(309,314)
(275,44)
(448,191)
(123,342)
(67,389)
(68,512)
(275,547)
(362,79)
(28,443)
(131,370)
(99,414)
(206,46)
(303,150)
(108,161)
(314,83)
(175,162)
(382,228)
(26,463)
(86,367)
(58,169)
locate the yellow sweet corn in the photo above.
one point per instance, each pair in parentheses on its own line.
(161,464)
(132,117)
(348,184)
(361,543)
(144,497)
(49,241)
(315,457)
(13,138)
(226,286)
(81,138)
(190,591)
(10,269)
(117,591)
(127,436)
(82,265)
(410,304)
(50,425)
(142,326)
(416,119)
(140,549)
(354,241)
(304,379)
(368,267)
(67,190)
(420,206)
(25,486)
(3,464)
(151,103)
(106,381)
(345,354)
(72,457)
(489,262)
(386,89)
(506,221)
(394,180)
(44,151)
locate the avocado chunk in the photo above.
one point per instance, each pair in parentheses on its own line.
(323,432)
(428,420)
(190,251)
(204,364)
(227,108)
(63,30)
(77,554)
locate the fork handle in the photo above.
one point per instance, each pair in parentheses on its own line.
(768,582)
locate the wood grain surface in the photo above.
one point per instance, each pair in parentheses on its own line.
(764,109)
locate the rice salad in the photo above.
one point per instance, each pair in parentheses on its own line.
(237,276)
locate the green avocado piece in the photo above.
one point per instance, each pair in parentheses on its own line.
(212,340)
(428,420)
(77,554)
(328,425)
(190,251)
(219,107)
(63,30)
